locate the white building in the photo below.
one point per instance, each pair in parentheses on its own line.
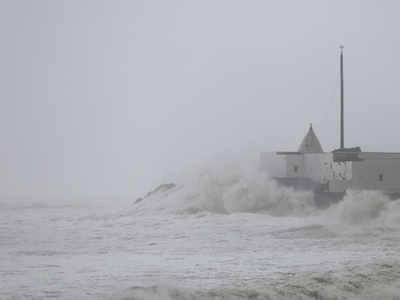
(333,172)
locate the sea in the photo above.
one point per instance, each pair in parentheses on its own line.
(222,232)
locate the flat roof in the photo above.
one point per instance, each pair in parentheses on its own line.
(288,153)
(360,156)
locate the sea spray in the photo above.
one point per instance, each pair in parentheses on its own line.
(362,211)
(360,207)
(231,187)
(227,186)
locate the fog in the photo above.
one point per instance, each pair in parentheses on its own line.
(106,99)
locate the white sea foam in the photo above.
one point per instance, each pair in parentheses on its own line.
(363,211)
(376,281)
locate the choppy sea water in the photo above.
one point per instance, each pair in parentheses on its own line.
(217,236)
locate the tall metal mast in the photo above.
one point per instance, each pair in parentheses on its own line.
(341,100)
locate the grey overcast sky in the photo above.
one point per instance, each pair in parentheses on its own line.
(112,97)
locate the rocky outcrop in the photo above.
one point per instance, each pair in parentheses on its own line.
(162,188)
(140,199)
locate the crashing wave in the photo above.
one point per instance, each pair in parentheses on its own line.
(228,188)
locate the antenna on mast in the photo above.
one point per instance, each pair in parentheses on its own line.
(341,100)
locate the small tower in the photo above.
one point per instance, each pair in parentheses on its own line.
(310,143)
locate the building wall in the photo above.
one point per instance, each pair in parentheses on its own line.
(295,166)
(274,165)
(321,168)
(377,172)
(318,166)
(373,170)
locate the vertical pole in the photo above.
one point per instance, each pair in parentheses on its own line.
(341,100)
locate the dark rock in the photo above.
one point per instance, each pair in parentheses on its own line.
(160,189)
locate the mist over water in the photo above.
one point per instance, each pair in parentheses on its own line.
(103,101)
(224,231)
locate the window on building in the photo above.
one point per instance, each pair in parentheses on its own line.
(380,177)
(295,169)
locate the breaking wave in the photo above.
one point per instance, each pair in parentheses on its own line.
(229,188)
(363,210)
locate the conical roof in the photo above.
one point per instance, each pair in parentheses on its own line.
(310,143)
